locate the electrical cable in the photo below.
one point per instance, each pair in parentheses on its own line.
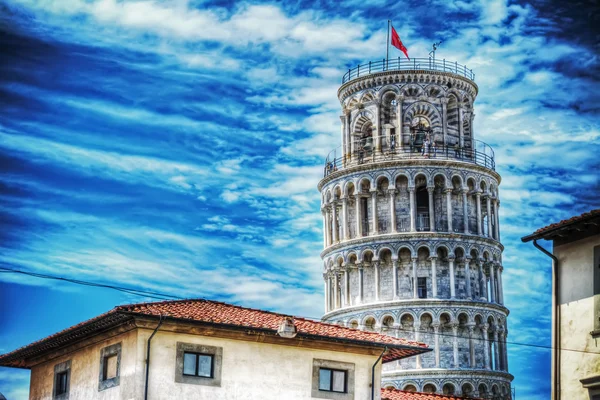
(164,296)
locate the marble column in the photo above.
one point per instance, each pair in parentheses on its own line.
(489,215)
(374,212)
(334,223)
(445,120)
(417,328)
(461,134)
(436,344)
(478,204)
(413,210)
(328,292)
(399,101)
(499,283)
(449,208)
(347,298)
(496,351)
(345,218)
(465,210)
(358,216)
(378,130)
(496,219)
(430,191)
(486,346)
(455,344)
(496,208)
(492,283)
(376,273)
(395,278)
(336,290)
(452,285)
(360,284)
(505,353)
(468,279)
(325,297)
(483,295)
(393,209)
(471,328)
(414,275)
(324,229)
(434,288)
(328,226)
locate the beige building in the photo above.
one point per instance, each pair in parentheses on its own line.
(576,305)
(203,349)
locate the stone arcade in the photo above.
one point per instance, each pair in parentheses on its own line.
(411,237)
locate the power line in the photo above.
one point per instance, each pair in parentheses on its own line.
(165,296)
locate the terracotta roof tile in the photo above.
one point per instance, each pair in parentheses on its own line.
(214,312)
(395,394)
(558,225)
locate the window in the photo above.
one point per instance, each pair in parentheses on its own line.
(198,364)
(110,366)
(422,287)
(332,380)
(62,375)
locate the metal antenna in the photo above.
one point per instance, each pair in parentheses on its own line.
(434,46)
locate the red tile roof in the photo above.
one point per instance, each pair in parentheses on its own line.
(217,313)
(395,394)
(545,231)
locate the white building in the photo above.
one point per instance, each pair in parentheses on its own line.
(412,245)
(204,349)
(575,305)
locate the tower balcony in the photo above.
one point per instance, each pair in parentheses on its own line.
(412,65)
(369,150)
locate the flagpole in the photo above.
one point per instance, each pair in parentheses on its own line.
(387,51)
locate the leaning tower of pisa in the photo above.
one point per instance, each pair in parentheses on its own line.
(410,217)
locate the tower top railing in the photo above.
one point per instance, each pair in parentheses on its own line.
(415,64)
(365,151)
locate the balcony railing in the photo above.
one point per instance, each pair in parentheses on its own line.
(402,64)
(365,151)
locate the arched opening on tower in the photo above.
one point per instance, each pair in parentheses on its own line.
(389,115)
(429,388)
(427,336)
(383,205)
(385,274)
(352,204)
(370,324)
(452,120)
(363,137)
(467,390)
(423,273)
(402,201)
(404,273)
(479,343)
(410,388)
(439,203)
(446,340)
(448,388)
(422,206)
(472,205)
(365,207)
(463,341)
(483,390)
(407,331)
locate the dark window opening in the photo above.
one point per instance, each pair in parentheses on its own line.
(365,216)
(422,209)
(422,288)
(333,380)
(197,364)
(62,380)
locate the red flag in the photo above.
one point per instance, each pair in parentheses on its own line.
(397,43)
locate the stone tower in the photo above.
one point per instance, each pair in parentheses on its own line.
(410,218)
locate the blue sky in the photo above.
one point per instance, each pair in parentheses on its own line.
(176,147)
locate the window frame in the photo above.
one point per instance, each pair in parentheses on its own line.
(216,354)
(424,288)
(106,353)
(332,370)
(198,355)
(64,368)
(349,379)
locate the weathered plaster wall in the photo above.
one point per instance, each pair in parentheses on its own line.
(251,370)
(85,370)
(577,316)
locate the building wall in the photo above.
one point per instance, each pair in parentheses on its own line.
(85,370)
(576,299)
(250,370)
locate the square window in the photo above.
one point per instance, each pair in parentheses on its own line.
(198,364)
(331,380)
(62,376)
(110,366)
